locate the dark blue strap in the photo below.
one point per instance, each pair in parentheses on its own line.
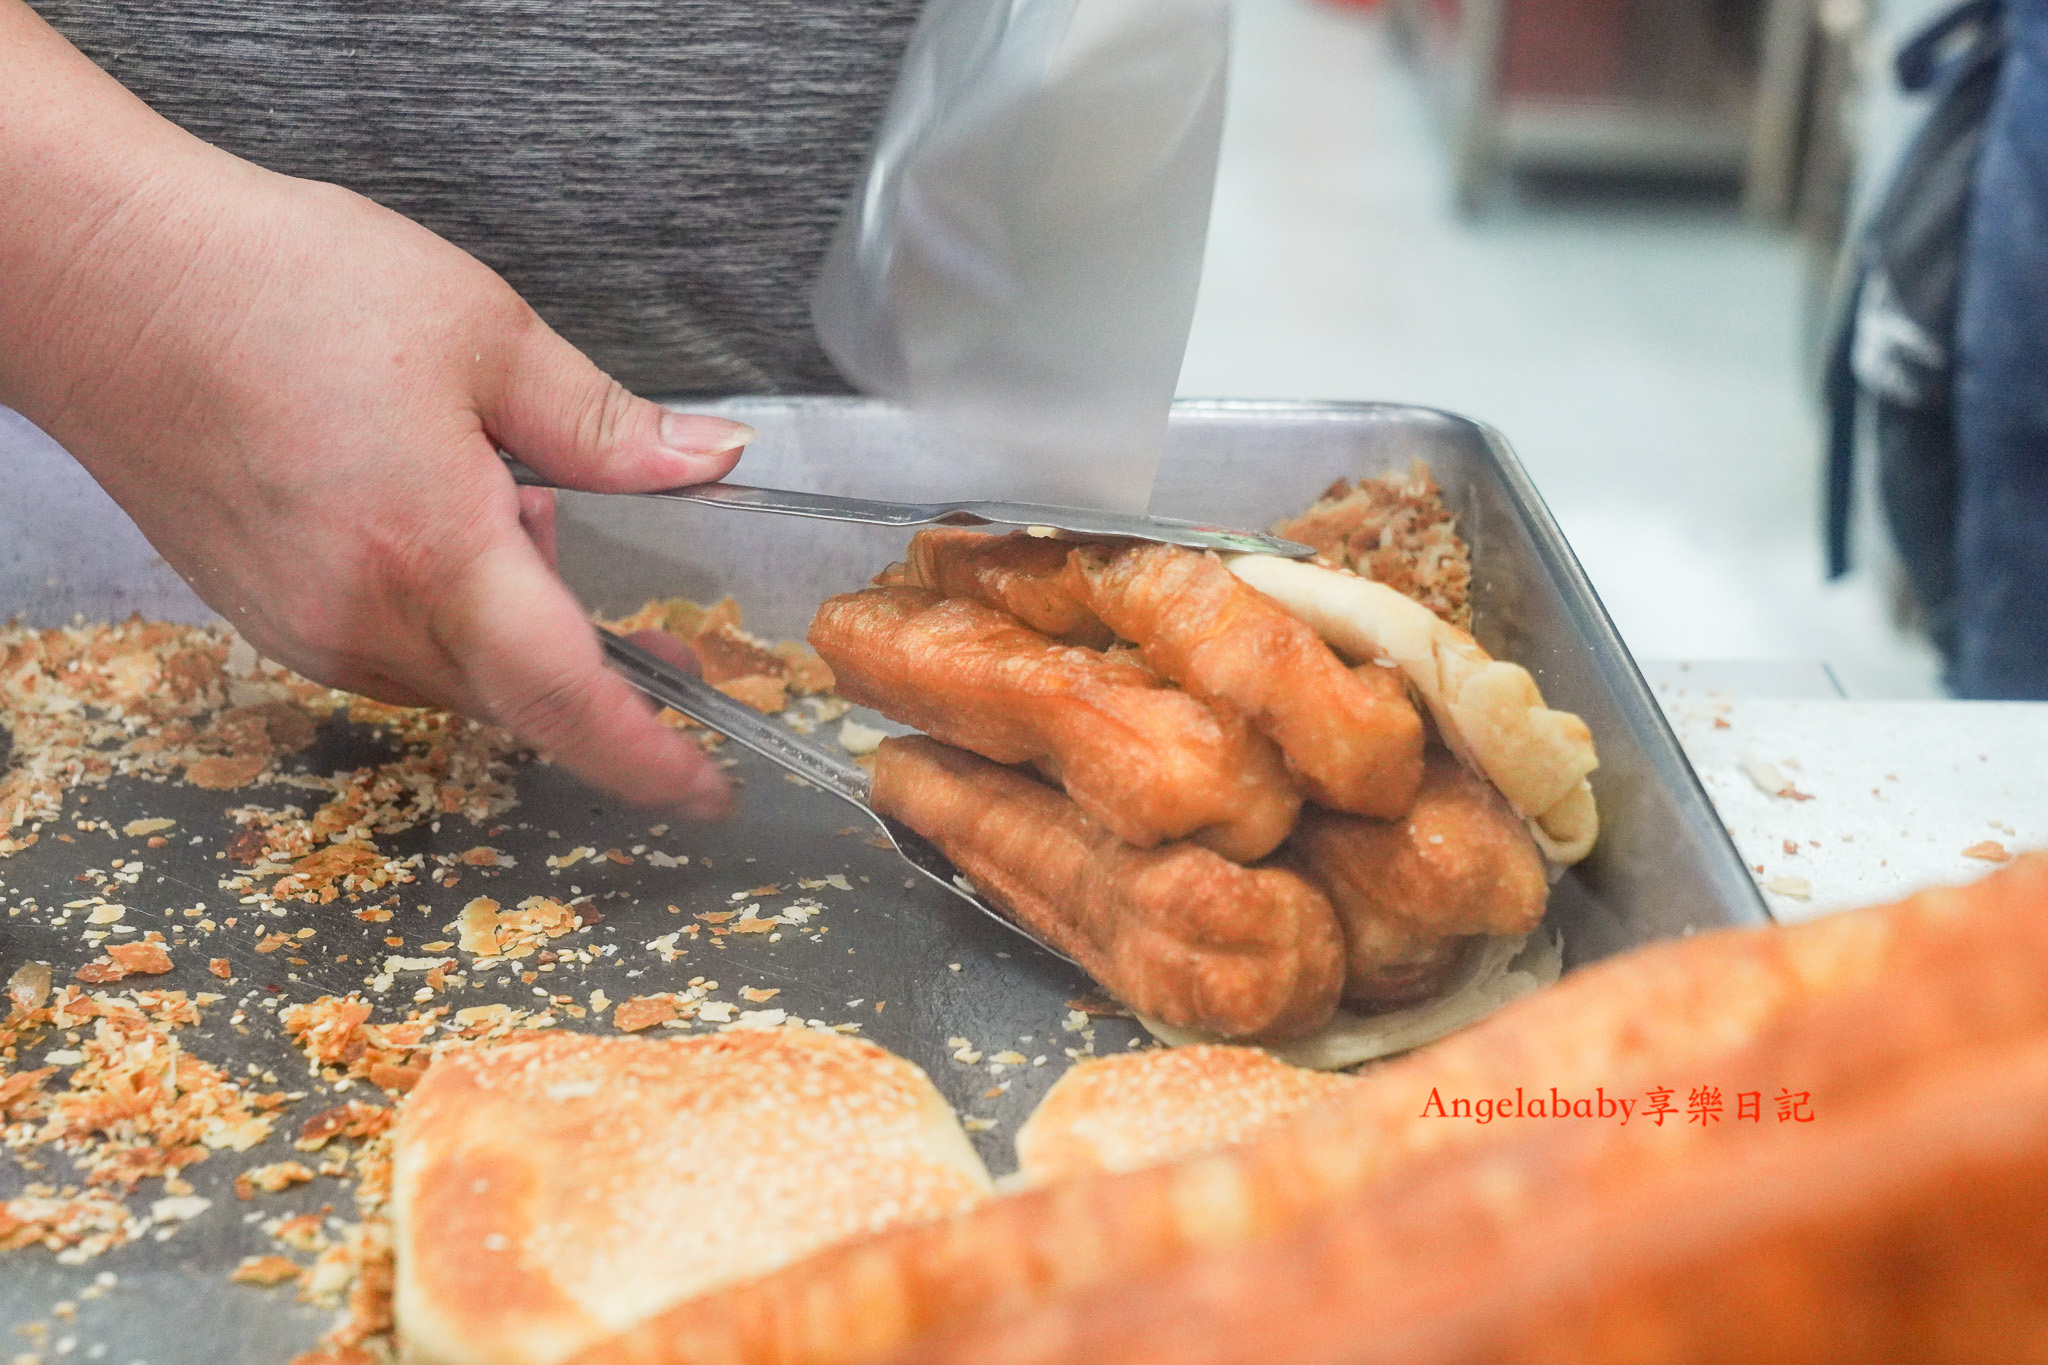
(1921,59)
(1838,399)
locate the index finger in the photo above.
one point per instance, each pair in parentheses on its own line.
(533,664)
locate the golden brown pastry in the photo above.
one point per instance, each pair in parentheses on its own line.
(1409,891)
(1845,1008)
(551,1190)
(1135,1109)
(1177,932)
(1459,863)
(1389,962)
(1148,761)
(1355,742)
(1027,576)
(1355,747)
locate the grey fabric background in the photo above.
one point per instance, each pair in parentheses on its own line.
(657,177)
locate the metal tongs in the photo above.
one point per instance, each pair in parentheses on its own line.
(834,772)
(1082,522)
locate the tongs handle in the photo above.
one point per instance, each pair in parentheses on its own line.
(706,705)
(1082,522)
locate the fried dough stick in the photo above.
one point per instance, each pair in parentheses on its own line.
(1490,712)
(1146,760)
(1408,892)
(1027,576)
(1388,961)
(1352,738)
(1354,741)
(1971,963)
(1178,933)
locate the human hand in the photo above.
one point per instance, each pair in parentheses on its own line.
(299,397)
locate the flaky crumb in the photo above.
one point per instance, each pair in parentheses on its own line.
(278,1175)
(136,1105)
(265,1270)
(1395,530)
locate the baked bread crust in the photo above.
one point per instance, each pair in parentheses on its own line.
(1903,1225)
(1881,1203)
(1393,529)
(1932,977)
(555,1188)
(1121,1113)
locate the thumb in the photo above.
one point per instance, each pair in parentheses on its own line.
(580,428)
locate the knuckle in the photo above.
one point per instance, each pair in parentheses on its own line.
(510,314)
(602,413)
(550,712)
(497,327)
(415,555)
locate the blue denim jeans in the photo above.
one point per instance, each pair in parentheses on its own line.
(2002,387)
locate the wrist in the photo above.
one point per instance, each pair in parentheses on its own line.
(108,206)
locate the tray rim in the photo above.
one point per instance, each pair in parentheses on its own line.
(1732,886)
(1617,664)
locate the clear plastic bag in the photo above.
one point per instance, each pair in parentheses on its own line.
(1020,264)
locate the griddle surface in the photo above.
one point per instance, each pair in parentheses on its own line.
(939,969)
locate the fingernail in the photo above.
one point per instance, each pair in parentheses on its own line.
(689,433)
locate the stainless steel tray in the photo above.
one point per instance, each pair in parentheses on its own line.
(1664,864)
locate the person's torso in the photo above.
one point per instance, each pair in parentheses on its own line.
(657,177)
